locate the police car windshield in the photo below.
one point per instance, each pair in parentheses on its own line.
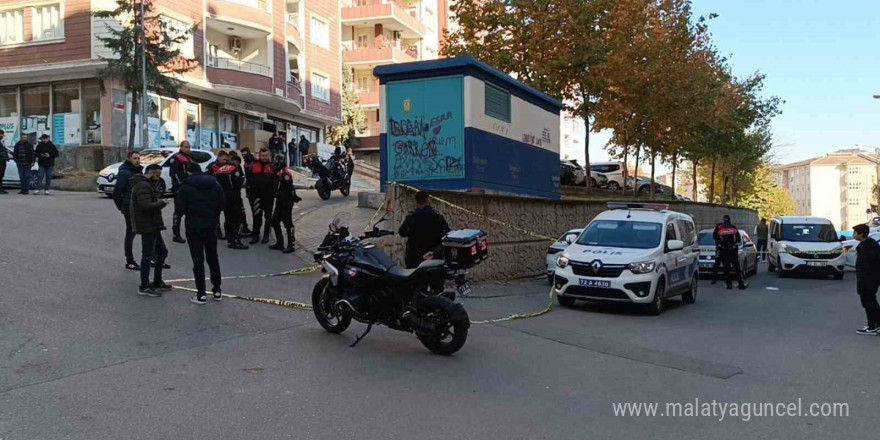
(622,234)
(809,233)
(706,239)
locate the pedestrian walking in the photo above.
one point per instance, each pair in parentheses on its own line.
(762,235)
(201,200)
(23,154)
(180,166)
(46,153)
(424,229)
(4,157)
(727,239)
(261,183)
(285,198)
(231,178)
(146,221)
(868,277)
(122,199)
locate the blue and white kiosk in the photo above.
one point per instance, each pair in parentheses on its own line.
(458,124)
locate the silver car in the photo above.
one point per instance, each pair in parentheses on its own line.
(107,177)
(557,247)
(748,254)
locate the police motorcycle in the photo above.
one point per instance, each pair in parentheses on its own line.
(333,174)
(362,283)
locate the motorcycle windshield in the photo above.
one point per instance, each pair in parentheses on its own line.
(340,221)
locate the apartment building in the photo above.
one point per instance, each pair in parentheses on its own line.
(260,66)
(380,32)
(839,186)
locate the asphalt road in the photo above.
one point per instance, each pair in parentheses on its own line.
(83,357)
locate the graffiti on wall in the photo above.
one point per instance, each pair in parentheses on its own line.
(422,150)
(537,140)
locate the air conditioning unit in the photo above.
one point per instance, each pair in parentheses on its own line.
(235,46)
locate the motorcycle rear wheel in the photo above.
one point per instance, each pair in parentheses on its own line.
(452,336)
(324,307)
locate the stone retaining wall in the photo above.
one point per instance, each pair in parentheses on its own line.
(514,254)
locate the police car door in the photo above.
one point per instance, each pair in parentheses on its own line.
(673,260)
(690,253)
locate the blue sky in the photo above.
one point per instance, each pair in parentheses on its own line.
(822,57)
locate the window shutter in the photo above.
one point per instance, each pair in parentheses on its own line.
(497,102)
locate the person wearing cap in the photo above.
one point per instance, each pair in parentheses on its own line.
(23,154)
(4,157)
(727,239)
(46,153)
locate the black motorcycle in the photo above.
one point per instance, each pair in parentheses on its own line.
(364,284)
(332,175)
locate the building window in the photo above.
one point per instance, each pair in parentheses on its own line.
(92,111)
(66,123)
(320,31)
(497,102)
(8,102)
(192,124)
(48,22)
(320,87)
(35,109)
(174,28)
(12,26)
(208,137)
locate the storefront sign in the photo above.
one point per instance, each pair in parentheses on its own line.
(10,128)
(244,107)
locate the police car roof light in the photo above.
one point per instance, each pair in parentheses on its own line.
(638,205)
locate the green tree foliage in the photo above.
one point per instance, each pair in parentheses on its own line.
(164,62)
(353,118)
(763,195)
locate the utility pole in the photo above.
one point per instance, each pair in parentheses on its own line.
(144,126)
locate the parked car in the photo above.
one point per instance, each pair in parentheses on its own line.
(571,173)
(748,253)
(805,245)
(644,186)
(849,246)
(638,253)
(11,178)
(566,239)
(107,177)
(613,171)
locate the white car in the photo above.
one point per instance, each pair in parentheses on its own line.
(748,253)
(571,173)
(11,178)
(107,177)
(557,247)
(805,245)
(639,253)
(849,246)
(612,170)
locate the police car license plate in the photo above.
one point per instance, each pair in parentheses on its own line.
(465,290)
(816,263)
(596,283)
(706,265)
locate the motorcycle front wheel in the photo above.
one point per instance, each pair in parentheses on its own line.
(324,307)
(450,334)
(323,190)
(346,189)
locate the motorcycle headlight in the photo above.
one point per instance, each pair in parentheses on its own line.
(562,261)
(642,267)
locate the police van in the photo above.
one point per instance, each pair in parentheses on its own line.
(640,253)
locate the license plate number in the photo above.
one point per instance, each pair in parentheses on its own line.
(706,265)
(596,283)
(465,290)
(816,263)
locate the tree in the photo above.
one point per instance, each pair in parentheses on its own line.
(353,118)
(164,62)
(764,196)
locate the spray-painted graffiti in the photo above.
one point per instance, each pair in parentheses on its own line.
(421,150)
(543,139)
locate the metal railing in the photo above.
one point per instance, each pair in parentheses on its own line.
(241,66)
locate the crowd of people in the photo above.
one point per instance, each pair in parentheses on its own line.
(25,154)
(199,200)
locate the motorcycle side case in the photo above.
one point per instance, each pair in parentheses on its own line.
(465,248)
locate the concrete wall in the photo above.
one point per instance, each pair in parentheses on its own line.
(513,254)
(89,158)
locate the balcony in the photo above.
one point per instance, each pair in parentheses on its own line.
(368,98)
(252,11)
(241,66)
(294,33)
(390,13)
(387,54)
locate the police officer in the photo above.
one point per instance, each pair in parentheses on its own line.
(261,192)
(285,198)
(180,165)
(727,239)
(231,178)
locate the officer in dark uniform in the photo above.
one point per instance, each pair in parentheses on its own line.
(727,240)
(261,192)
(285,198)
(244,163)
(180,165)
(231,179)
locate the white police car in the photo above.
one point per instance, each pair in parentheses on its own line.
(637,253)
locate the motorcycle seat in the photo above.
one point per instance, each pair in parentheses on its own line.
(397,274)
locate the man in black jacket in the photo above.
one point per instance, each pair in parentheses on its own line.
(285,198)
(201,200)
(261,187)
(424,229)
(180,165)
(122,199)
(23,153)
(146,220)
(276,145)
(4,157)
(727,240)
(46,153)
(868,278)
(231,179)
